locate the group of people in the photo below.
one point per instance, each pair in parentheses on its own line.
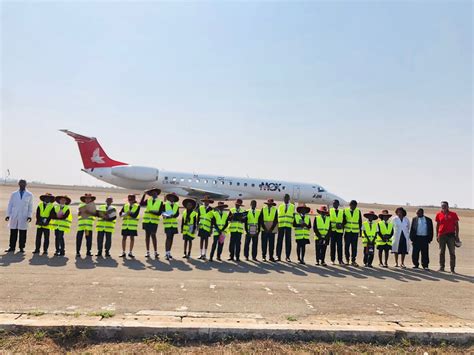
(338,228)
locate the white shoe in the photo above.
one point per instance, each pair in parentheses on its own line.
(147,255)
(156,255)
(130,255)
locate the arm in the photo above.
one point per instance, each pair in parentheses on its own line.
(413,229)
(143,203)
(30,208)
(261,224)
(182,224)
(38,216)
(10,208)
(137,212)
(66,215)
(176,214)
(121,212)
(275,221)
(430,229)
(456,233)
(309,225)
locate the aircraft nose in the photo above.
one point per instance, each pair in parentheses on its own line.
(331,197)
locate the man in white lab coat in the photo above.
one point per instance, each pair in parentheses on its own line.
(19,212)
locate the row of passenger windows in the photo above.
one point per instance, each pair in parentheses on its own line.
(215,182)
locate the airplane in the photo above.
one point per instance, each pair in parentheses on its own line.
(98,164)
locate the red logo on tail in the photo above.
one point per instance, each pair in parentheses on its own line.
(93,156)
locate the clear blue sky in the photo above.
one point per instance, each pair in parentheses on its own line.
(373,100)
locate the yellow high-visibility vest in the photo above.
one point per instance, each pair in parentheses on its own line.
(63,225)
(45,212)
(152,206)
(300,231)
(369,233)
(85,224)
(171,222)
(205,218)
(385,229)
(322,225)
(103,225)
(220,220)
(188,228)
(236,226)
(336,216)
(286,219)
(352,220)
(130,223)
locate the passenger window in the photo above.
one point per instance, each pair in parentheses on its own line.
(253,185)
(181,179)
(245,184)
(230,182)
(174,179)
(197,180)
(166,177)
(214,182)
(190,180)
(238,184)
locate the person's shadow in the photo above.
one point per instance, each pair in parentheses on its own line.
(106,262)
(157,264)
(57,261)
(10,258)
(133,264)
(38,259)
(86,263)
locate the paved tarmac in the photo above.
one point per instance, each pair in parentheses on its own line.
(274,292)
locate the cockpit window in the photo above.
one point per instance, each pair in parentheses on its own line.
(320,189)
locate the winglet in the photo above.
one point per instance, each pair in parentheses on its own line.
(92,154)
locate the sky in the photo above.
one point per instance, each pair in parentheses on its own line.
(372,100)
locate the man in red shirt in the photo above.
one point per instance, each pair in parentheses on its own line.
(447,233)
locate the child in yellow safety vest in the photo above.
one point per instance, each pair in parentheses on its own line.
(384,237)
(151,218)
(302,225)
(61,222)
(107,216)
(44,214)
(321,228)
(369,235)
(188,225)
(170,221)
(85,226)
(130,216)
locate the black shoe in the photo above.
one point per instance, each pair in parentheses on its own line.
(415,267)
(219,259)
(272,260)
(278,260)
(99,254)
(237,260)
(107,254)
(57,253)
(78,255)
(341,263)
(246,258)
(62,253)
(45,252)
(254,259)
(264,259)
(324,264)
(88,253)
(10,250)
(36,252)
(426,268)
(288,260)
(22,250)
(230,259)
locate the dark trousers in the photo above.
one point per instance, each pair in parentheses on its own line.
(219,246)
(301,249)
(350,245)
(80,235)
(234,245)
(100,241)
(14,237)
(321,247)
(336,244)
(254,240)
(420,245)
(447,240)
(39,233)
(59,241)
(368,257)
(268,244)
(284,233)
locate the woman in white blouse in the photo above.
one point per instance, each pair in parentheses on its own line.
(401,234)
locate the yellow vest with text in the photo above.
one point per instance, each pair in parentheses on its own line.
(155,207)
(103,225)
(173,221)
(45,212)
(302,232)
(336,216)
(130,223)
(352,220)
(322,225)
(286,219)
(188,225)
(63,225)
(253,217)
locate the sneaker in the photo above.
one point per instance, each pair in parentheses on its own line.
(254,259)
(264,259)
(273,260)
(453,271)
(246,258)
(21,250)
(147,254)
(219,259)
(157,256)
(386,266)
(370,265)
(200,257)
(10,250)
(130,255)
(204,258)
(237,260)
(123,255)
(36,252)
(415,267)
(354,264)
(317,263)
(441,269)
(185,256)
(170,256)
(288,260)
(426,268)
(167,257)
(324,264)
(56,253)
(333,262)
(230,259)
(381,265)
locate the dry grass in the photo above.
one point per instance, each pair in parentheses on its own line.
(79,342)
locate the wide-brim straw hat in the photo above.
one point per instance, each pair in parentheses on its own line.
(67,198)
(83,197)
(207,199)
(384,213)
(323,210)
(149,192)
(189,200)
(172,197)
(270,202)
(302,208)
(372,214)
(221,205)
(47,197)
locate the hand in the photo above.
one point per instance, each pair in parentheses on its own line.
(28,219)
(7,218)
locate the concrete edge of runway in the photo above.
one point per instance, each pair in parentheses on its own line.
(210,330)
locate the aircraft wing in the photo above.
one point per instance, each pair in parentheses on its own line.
(199,193)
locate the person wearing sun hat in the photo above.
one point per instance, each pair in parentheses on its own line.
(384,237)
(61,223)
(252,229)
(204,218)
(369,235)
(236,229)
(321,226)
(44,214)
(151,218)
(302,225)
(170,221)
(219,222)
(105,226)
(336,215)
(130,214)
(188,225)
(268,222)
(85,226)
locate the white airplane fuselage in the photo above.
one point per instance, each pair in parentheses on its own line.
(197,185)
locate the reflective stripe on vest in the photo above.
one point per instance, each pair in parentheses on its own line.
(171,222)
(236,226)
(130,223)
(336,217)
(369,233)
(63,225)
(385,229)
(45,212)
(85,224)
(102,225)
(301,232)
(322,226)
(188,224)
(253,217)
(205,218)
(285,219)
(155,207)
(220,220)
(352,220)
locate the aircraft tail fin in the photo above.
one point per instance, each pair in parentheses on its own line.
(92,154)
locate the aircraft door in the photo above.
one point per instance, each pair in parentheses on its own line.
(296,192)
